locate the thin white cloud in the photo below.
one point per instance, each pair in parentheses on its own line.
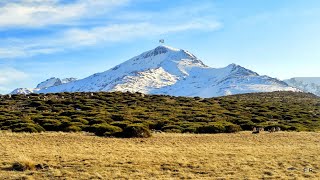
(75,38)
(35,13)
(123,32)
(9,52)
(110,28)
(27,48)
(188,11)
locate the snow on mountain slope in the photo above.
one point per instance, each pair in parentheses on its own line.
(232,79)
(67,80)
(22,91)
(54,82)
(166,70)
(150,79)
(48,83)
(307,84)
(43,85)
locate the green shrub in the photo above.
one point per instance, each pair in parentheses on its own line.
(80,120)
(136,131)
(172,129)
(43,108)
(158,125)
(190,129)
(73,128)
(38,127)
(121,124)
(105,130)
(210,129)
(117,117)
(246,125)
(232,128)
(32,128)
(96,121)
(35,104)
(68,113)
(48,124)
(25,129)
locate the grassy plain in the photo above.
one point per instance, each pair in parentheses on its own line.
(282,155)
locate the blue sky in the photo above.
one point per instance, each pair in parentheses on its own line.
(40,39)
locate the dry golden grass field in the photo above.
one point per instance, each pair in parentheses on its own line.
(282,155)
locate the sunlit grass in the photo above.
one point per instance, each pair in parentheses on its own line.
(283,155)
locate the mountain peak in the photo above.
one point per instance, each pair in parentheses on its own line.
(167,48)
(233,66)
(159,50)
(239,70)
(22,91)
(49,82)
(169,51)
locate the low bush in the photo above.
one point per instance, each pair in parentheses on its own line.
(117,117)
(121,124)
(211,129)
(105,130)
(172,128)
(80,120)
(73,128)
(136,131)
(26,127)
(232,128)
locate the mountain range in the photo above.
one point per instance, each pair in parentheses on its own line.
(306,84)
(169,71)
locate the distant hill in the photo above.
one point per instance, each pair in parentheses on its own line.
(293,111)
(306,84)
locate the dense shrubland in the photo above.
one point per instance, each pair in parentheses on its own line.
(134,115)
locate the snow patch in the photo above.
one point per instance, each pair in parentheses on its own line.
(307,84)
(145,81)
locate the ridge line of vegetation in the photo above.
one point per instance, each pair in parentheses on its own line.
(135,114)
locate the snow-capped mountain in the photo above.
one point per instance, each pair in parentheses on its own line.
(43,85)
(54,82)
(22,91)
(166,70)
(307,84)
